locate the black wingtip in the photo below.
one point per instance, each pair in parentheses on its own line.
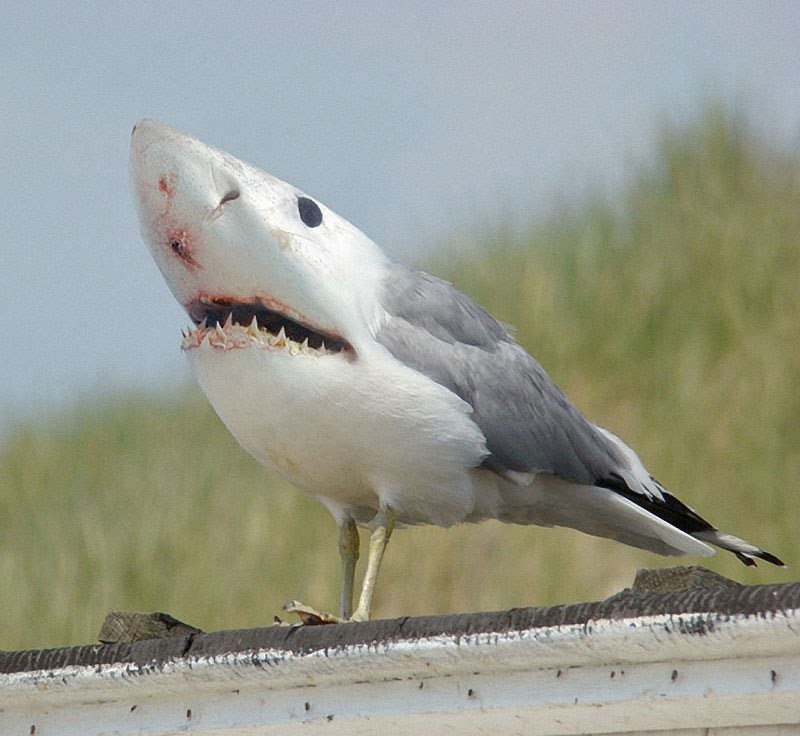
(679,515)
(771,559)
(748,560)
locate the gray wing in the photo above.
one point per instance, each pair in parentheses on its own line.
(528,423)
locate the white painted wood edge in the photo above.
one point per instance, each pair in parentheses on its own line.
(655,672)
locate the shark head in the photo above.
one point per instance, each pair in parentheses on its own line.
(254,261)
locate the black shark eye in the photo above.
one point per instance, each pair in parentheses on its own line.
(230,196)
(309,210)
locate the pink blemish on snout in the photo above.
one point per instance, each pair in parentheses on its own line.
(181,244)
(166,185)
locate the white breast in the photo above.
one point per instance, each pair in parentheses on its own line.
(353,431)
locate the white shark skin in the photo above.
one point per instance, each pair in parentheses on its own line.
(308,417)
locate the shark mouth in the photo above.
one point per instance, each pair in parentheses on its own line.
(228,324)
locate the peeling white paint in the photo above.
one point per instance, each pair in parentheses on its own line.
(673,674)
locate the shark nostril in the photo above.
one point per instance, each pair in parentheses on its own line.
(229,196)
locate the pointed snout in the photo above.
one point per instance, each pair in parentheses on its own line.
(156,148)
(150,158)
(161,154)
(147,132)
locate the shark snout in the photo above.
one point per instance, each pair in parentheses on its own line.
(145,132)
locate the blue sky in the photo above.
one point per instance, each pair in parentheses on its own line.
(419,122)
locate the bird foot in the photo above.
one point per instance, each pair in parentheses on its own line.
(310,616)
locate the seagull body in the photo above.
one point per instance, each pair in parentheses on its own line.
(380,390)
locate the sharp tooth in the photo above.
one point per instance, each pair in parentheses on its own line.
(204,324)
(304,345)
(280,340)
(252,329)
(219,331)
(322,347)
(229,321)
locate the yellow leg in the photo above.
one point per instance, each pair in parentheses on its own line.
(381,529)
(348,553)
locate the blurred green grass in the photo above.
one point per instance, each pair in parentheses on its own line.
(670,316)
